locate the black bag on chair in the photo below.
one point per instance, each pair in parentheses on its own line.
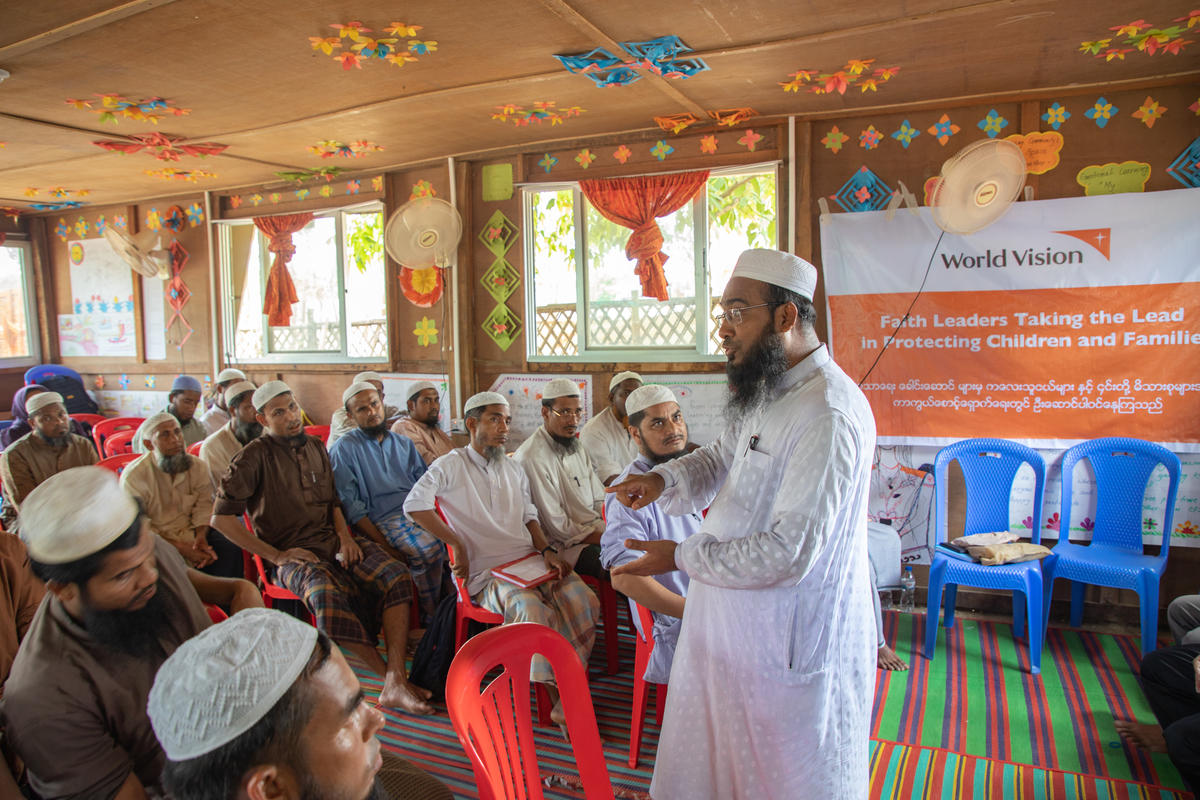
(75,397)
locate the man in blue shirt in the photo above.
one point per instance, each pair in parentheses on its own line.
(657,427)
(374,470)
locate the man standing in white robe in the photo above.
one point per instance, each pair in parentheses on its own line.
(772,684)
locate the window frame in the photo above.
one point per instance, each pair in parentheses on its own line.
(698,352)
(303,357)
(33,335)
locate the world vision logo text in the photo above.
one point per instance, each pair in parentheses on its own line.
(1098,238)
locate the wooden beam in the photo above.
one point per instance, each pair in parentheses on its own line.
(79,26)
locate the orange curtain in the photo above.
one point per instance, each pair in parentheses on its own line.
(281,292)
(635,203)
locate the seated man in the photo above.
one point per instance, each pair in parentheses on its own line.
(421,424)
(374,469)
(883,560)
(1183,617)
(182,402)
(262,701)
(341,422)
(20,595)
(175,492)
(1171,682)
(119,601)
(46,450)
(565,489)
(606,436)
(657,426)
(492,521)
(220,447)
(218,413)
(285,481)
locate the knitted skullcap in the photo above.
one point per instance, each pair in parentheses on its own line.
(41,400)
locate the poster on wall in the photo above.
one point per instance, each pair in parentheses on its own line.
(102,320)
(154,317)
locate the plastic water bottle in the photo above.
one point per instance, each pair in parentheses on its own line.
(908,588)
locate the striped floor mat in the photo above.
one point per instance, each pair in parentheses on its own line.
(1025,740)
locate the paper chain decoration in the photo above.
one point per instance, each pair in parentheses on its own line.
(1142,37)
(364,48)
(661,56)
(172,174)
(331,147)
(178,293)
(113,107)
(542,111)
(863,192)
(677,123)
(162,146)
(856,72)
(1186,168)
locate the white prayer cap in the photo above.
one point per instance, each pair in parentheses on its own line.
(778,269)
(621,377)
(268,392)
(418,387)
(75,513)
(648,395)
(230,374)
(560,387)
(355,388)
(150,425)
(41,400)
(234,389)
(219,684)
(484,399)
(368,376)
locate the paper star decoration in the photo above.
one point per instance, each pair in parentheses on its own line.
(834,139)
(905,134)
(171,174)
(622,154)
(195,215)
(1149,112)
(153,220)
(162,146)
(1140,36)
(542,111)
(870,138)
(708,144)
(585,158)
(661,56)
(1195,107)
(81,228)
(360,48)
(332,147)
(61,230)
(547,162)
(115,107)
(992,124)
(676,122)
(750,139)
(426,332)
(119,221)
(1056,115)
(1101,112)
(661,150)
(124,381)
(943,129)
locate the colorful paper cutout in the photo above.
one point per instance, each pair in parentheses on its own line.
(870,138)
(660,56)
(542,111)
(992,124)
(426,332)
(708,144)
(124,381)
(81,228)
(1101,112)
(422,188)
(1041,150)
(502,326)
(498,234)
(1186,166)
(332,147)
(301,175)
(585,158)
(943,129)
(1113,178)
(171,174)
(326,191)
(101,224)
(174,219)
(497,182)
(55,206)
(362,48)
(1195,107)
(547,163)
(661,150)
(150,381)
(256,200)
(855,72)
(178,294)
(1142,37)
(352,187)
(75,253)
(119,221)
(98,382)
(422,287)
(377,183)
(1149,112)
(115,107)
(195,215)
(834,139)
(863,192)
(676,123)
(153,220)
(30,191)
(162,146)
(1056,115)
(501,280)
(622,154)
(729,117)
(235,201)
(905,134)
(302,194)
(750,139)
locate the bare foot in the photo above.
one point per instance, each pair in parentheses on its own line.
(403,695)
(886,658)
(1140,734)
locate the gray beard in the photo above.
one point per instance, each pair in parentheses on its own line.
(493,454)
(753,383)
(568,444)
(176,464)
(57,442)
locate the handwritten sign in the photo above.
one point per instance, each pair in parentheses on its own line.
(1041,150)
(1114,178)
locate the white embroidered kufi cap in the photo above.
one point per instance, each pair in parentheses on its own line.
(230,374)
(268,392)
(417,387)
(484,399)
(355,388)
(779,269)
(41,400)
(643,397)
(234,389)
(560,387)
(621,377)
(368,376)
(75,513)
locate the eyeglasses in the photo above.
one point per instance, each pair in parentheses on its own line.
(563,412)
(734,315)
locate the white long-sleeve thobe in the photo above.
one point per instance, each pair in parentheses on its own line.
(566,491)
(608,443)
(772,683)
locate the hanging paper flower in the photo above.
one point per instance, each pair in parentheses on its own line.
(992,124)
(622,154)
(422,287)
(422,188)
(905,134)
(1101,112)
(422,48)
(101,224)
(326,191)
(377,183)
(256,199)
(426,332)
(547,163)
(585,158)
(153,220)
(834,139)
(81,228)
(750,139)
(119,221)
(661,150)
(708,144)
(870,138)
(352,187)
(301,194)
(59,192)
(195,214)
(1056,115)
(943,129)
(1149,112)
(31,191)
(275,197)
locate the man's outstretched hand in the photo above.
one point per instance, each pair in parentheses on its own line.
(638,491)
(659,558)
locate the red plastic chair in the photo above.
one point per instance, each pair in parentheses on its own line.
(319,431)
(109,426)
(195,449)
(90,419)
(118,463)
(119,443)
(271,591)
(215,613)
(608,612)
(494,723)
(641,657)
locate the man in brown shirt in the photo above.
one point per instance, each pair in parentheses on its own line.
(46,450)
(421,424)
(20,595)
(285,481)
(119,601)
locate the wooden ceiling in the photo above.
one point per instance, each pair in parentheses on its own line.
(252,81)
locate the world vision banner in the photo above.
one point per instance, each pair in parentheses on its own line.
(1064,320)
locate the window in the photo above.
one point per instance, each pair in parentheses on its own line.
(338,270)
(579,271)
(19,343)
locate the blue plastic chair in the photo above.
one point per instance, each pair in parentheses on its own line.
(989,467)
(1121,467)
(35,374)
